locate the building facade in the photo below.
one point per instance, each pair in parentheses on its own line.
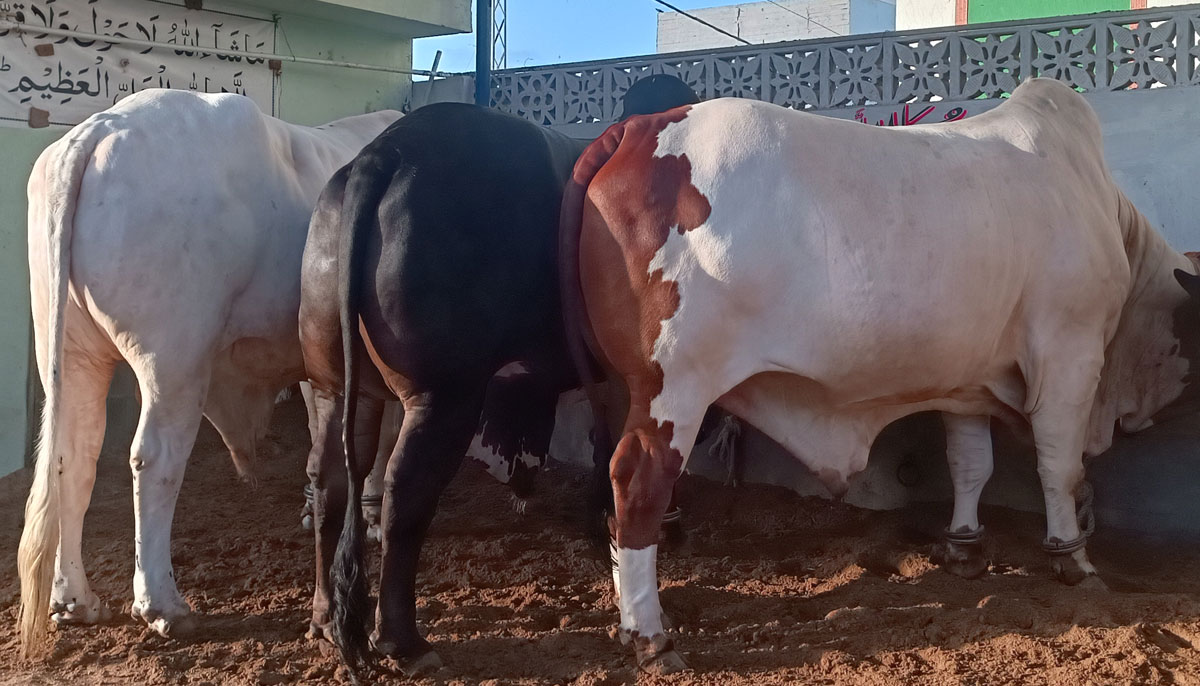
(773,22)
(50,82)
(923,14)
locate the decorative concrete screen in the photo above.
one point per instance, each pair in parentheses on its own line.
(74,77)
(956,66)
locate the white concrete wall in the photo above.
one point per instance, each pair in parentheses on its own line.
(872,16)
(757,22)
(923,14)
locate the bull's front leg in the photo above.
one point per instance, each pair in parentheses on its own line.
(644,469)
(1059,430)
(327,475)
(969,454)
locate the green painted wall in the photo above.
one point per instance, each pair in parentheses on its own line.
(979,11)
(18,150)
(313,94)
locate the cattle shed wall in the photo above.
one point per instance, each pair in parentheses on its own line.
(369,32)
(18,150)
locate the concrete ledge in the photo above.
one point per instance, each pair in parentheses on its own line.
(412,19)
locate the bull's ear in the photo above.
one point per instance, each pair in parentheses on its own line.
(1190,282)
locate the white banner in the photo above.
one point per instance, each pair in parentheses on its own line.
(73,78)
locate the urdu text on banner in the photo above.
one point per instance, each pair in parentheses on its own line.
(84,76)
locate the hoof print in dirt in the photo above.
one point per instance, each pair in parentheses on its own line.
(1092,582)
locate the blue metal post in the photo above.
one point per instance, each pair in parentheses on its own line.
(483,52)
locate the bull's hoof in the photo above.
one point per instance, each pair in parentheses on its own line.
(625,636)
(657,655)
(90,611)
(1072,568)
(177,622)
(425,663)
(318,632)
(661,661)
(181,627)
(413,660)
(964,560)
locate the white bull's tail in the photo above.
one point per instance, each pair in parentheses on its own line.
(62,166)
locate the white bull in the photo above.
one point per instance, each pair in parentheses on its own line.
(166,232)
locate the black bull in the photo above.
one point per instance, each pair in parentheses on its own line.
(430,265)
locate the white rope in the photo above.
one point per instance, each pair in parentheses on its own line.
(724,447)
(1085,511)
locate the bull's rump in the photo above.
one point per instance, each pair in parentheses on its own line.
(157,233)
(890,266)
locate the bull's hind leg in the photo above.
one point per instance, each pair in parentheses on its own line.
(386,434)
(969,453)
(327,473)
(437,429)
(86,378)
(170,418)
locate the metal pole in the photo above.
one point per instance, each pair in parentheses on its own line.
(499,34)
(437,58)
(117,40)
(483,52)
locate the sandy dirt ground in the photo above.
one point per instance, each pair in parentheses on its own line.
(771,588)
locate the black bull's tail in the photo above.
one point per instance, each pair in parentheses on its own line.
(348,575)
(579,334)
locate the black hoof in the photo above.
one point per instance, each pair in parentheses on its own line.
(422,664)
(402,651)
(964,560)
(657,655)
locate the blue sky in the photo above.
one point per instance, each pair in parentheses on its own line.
(551,31)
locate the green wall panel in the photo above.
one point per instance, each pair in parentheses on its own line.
(980,11)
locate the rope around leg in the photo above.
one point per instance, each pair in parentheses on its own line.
(1085,513)
(306,513)
(1054,546)
(963,537)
